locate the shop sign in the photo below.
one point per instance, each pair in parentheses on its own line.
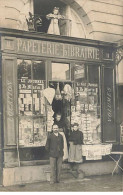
(50,49)
(54,49)
(9,106)
(109,130)
(121,133)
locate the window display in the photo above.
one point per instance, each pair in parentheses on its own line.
(86,110)
(77,100)
(31,103)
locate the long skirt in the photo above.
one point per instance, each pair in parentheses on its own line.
(75,153)
(53,27)
(65,157)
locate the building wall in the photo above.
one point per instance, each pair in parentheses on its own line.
(13,15)
(102,18)
(105,17)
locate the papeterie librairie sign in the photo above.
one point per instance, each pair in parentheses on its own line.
(50,49)
(55,49)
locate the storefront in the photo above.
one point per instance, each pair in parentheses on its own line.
(45,74)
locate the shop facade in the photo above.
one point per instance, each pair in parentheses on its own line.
(82,74)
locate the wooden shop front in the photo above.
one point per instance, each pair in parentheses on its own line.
(81,71)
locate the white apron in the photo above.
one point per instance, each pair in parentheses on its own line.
(65,157)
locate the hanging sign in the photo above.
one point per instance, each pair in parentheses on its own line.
(49,94)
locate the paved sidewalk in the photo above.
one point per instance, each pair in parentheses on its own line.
(104,183)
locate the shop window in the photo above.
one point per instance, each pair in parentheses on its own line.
(60,71)
(86,109)
(31,105)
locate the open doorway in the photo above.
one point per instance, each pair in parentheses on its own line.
(44,7)
(62,104)
(70,23)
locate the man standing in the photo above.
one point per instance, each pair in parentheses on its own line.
(54,146)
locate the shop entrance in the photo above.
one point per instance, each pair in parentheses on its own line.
(62,103)
(61,81)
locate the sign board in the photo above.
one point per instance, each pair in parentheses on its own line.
(109,129)
(50,49)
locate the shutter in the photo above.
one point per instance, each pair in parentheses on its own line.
(108,106)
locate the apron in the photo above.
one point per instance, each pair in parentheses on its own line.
(65,146)
(53,27)
(75,153)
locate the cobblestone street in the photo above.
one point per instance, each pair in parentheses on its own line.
(104,183)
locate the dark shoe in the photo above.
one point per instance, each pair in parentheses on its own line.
(59,182)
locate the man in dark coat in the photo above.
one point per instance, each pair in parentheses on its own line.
(54,146)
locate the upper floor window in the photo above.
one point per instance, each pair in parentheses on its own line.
(58,18)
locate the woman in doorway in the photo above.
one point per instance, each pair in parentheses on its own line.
(54,17)
(75,141)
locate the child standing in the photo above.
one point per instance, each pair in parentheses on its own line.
(75,141)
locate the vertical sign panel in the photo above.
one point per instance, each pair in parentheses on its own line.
(109,129)
(1,127)
(9,101)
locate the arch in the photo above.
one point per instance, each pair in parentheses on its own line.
(77,11)
(75,5)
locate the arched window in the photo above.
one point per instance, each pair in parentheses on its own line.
(71,25)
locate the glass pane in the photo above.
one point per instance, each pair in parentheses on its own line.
(24,87)
(25,131)
(87,104)
(24,69)
(38,99)
(31,103)
(39,132)
(60,71)
(38,70)
(93,74)
(80,76)
(80,72)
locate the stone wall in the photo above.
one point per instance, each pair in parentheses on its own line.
(102,18)
(32,174)
(13,13)
(105,18)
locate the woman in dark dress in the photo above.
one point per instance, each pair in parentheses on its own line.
(75,141)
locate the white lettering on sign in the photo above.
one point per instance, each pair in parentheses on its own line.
(109,104)
(10,106)
(54,49)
